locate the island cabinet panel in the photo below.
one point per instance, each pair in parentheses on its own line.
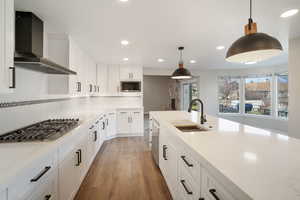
(3,195)
(212,189)
(168,162)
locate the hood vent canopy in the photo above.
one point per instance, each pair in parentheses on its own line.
(29,36)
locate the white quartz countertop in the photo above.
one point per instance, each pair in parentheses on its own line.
(264,164)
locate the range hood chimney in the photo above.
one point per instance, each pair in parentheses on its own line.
(29,34)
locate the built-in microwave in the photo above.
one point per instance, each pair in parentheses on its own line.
(130,86)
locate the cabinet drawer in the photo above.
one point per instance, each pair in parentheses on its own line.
(36,174)
(212,189)
(188,189)
(191,165)
(45,191)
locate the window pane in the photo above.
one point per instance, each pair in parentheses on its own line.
(282,95)
(195,95)
(258,95)
(229,95)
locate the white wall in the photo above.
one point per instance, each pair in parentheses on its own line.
(294,87)
(209,94)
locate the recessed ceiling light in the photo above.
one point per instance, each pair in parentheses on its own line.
(193,61)
(160,60)
(125,59)
(220,47)
(289,13)
(124,0)
(124,42)
(250,63)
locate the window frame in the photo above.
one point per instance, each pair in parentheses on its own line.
(242,100)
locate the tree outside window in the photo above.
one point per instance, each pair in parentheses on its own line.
(229,95)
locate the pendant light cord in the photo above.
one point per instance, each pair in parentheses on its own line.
(250,19)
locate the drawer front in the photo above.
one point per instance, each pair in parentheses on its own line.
(32,177)
(187,187)
(214,190)
(191,165)
(46,191)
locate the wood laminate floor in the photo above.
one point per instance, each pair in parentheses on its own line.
(124,170)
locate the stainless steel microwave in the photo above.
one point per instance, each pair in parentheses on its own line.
(130,86)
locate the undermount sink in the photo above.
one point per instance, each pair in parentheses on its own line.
(195,128)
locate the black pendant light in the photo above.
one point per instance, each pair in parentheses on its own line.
(253,47)
(181,72)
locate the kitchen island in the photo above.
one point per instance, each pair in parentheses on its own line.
(227,161)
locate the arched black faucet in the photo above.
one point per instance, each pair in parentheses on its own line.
(202,113)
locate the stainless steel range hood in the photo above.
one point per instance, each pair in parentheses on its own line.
(29,36)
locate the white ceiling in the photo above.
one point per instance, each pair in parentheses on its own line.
(155,28)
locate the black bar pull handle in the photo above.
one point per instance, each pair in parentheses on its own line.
(95,136)
(103,125)
(78,158)
(43,172)
(185,187)
(213,193)
(92,127)
(13,78)
(186,162)
(48,197)
(165,152)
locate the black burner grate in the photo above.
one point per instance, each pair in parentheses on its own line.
(45,130)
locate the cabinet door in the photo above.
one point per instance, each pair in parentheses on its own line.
(92,144)
(136,120)
(113,80)
(125,73)
(111,125)
(137,73)
(7,19)
(102,79)
(123,122)
(3,195)
(46,191)
(67,176)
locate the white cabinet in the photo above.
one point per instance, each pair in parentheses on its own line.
(123,122)
(3,195)
(168,164)
(63,50)
(73,166)
(39,172)
(108,80)
(7,70)
(113,80)
(129,122)
(46,191)
(102,79)
(111,125)
(131,73)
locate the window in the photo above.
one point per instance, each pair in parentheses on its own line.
(282,95)
(258,95)
(229,95)
(190,92)
(265,95)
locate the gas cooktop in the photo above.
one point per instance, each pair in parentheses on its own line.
(47,130)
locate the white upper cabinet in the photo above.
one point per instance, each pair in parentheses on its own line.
(7,70)
(113,80)
(102,79)
(64,51)
(131,73)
